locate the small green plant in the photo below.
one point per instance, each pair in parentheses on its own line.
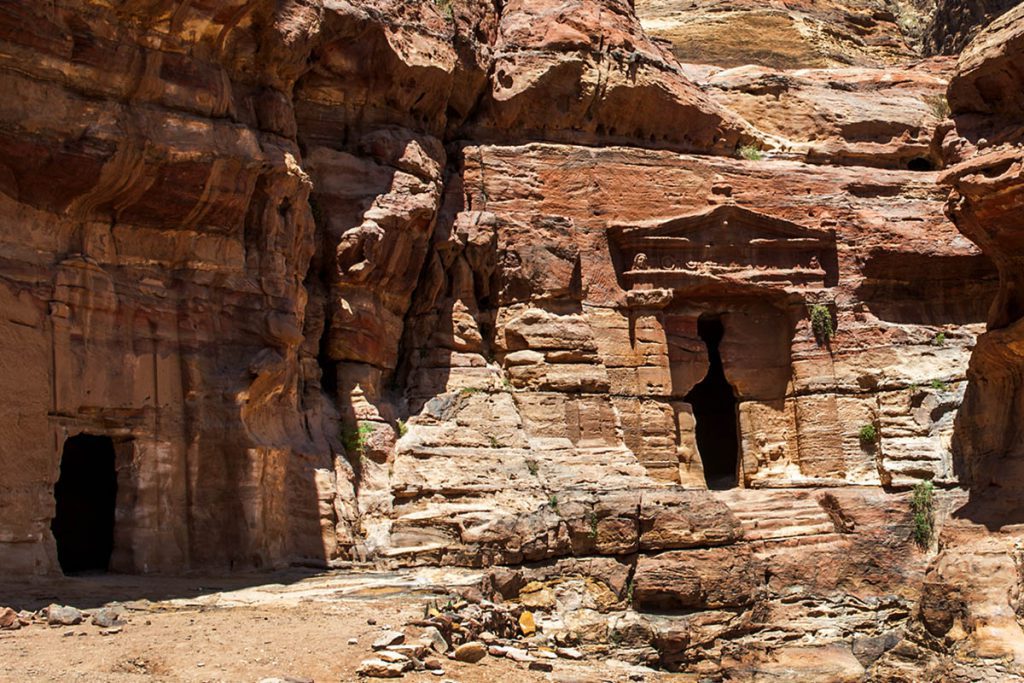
(914,387)
(750,153)
(469,391)
(939,106)
(402,428)
(506,383)
(939,339)
(532,466)
(939,385)
(493,441)
(355,440)
(553,502)
(592,518)
(868,434)
(821,323)
(922,504)
(445,7)
(629,591)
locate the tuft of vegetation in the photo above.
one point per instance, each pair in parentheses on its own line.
(446,8)
(821,323)
(592,518)
(355,440)
(922,505)
(402,428)
(469,391)
(939,106)
(939,385)
(553,502)
(532,466)
(939,339)
(868,434)
(750,153)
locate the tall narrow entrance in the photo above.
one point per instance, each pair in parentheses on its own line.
(714,410)
(86,493)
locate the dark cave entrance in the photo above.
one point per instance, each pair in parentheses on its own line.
(714,410)
(86,494)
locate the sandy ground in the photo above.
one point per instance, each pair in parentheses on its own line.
(245,628)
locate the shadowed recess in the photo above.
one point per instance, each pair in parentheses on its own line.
(85,495)
(714,409)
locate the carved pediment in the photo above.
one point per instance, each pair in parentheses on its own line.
(728,245)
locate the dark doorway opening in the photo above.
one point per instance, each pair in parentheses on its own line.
(714,410)
(86,494)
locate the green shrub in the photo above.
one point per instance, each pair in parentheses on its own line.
(939,106)
(402,428)
(868,434)
(553,502)
(939,339)
(532,466)
(445,7)
(821,323)
(750,153)
(939,385)
(592,517)
(355,440)
(922,505)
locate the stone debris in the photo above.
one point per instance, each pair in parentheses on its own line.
(467,630)
(527,625)
(471,652)
(109,617)
(387,639)
(433,639)
(378,668)
(58,615)
(392,657)
(9,620)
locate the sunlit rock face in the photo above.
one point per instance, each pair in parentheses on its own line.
(525,284)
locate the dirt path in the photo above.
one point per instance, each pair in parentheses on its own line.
(234,629)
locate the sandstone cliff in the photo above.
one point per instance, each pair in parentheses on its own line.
(493,284)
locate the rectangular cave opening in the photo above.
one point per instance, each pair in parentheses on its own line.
(86,496)
(715,412)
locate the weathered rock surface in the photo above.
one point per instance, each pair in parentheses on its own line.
(790,35)
(511,285)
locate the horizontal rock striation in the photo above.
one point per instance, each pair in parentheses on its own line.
(508,285)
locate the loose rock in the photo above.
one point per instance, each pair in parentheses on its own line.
(387,639)
(57,615)
(471,652)
(378,668)
(527,624)
(9,619)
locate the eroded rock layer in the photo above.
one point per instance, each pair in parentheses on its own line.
(508,284)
